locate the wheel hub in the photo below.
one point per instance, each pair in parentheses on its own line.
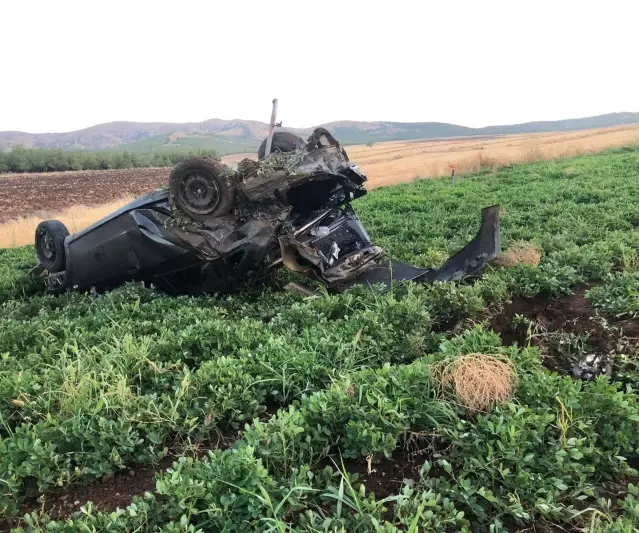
(200,192)
(47,246)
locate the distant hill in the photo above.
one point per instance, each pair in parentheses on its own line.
(229,136)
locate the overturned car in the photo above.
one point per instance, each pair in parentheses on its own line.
(213,228)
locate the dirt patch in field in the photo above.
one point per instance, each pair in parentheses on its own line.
(110,492)
(562,327)
(386,477)
(23,194)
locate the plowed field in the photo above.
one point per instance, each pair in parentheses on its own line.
(22,194)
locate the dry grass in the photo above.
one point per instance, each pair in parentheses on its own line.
(477,380)
(396,162)
(20,232)
(388,163)
(520,253)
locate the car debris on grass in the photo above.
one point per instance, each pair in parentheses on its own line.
(213,228)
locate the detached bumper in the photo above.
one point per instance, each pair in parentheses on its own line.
(469,261)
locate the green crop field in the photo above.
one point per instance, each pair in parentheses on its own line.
(278,412)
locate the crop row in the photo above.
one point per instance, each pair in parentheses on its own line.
(546,456)
(180,368)
(83,394)
(20,159)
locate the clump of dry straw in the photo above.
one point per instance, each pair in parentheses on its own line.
(520,253)
(477,380)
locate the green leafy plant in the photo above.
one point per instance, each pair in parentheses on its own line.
(91,385)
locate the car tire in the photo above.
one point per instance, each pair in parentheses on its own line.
(201,188)
(283,141)
(49,244)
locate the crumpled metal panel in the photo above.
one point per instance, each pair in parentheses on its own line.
(290,208)
(262,216)
(273,177)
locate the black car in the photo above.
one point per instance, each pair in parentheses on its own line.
(213,228)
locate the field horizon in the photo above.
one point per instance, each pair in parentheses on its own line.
(78,201)
(238,135)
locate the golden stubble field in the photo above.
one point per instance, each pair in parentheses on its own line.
(385,163)
(396,162)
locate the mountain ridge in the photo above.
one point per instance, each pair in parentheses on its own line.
(246,135)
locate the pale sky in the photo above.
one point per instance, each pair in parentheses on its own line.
(69,64)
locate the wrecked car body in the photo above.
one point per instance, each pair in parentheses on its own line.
(214,228)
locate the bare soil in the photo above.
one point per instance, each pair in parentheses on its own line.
(386,477)
(568,314)
(110,492)
(22,194)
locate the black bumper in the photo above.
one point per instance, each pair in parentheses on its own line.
(469,261)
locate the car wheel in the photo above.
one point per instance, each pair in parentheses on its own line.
(201,188)
(283,141)
(49,244)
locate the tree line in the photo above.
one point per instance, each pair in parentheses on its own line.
(20,159)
